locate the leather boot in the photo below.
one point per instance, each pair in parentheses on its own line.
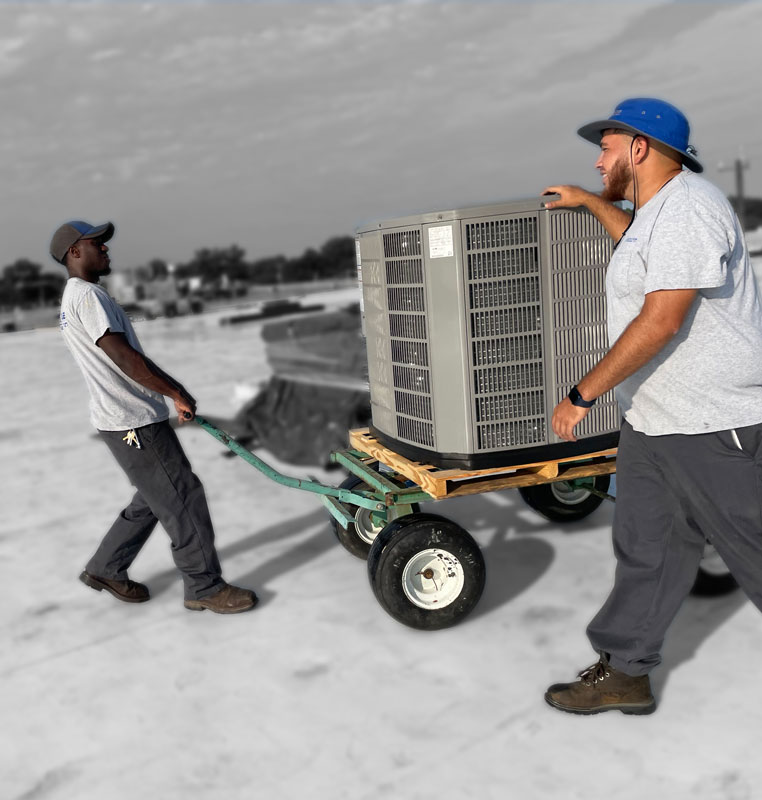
(603,688)
(229,600)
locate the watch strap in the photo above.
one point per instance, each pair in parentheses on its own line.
(577,399)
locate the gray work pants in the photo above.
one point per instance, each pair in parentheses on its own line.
(673,493)
(168,492)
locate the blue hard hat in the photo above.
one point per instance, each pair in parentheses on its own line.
(652,118)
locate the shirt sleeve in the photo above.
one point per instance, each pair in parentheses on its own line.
(689,248)
(98,315)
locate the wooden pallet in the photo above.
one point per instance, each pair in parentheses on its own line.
(441,483)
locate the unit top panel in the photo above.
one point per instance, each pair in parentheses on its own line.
(457,214)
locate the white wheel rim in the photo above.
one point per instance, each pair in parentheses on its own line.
(712,562)
(567,494)
(433,579)
(366,529)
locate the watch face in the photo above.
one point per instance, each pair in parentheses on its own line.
(577,399)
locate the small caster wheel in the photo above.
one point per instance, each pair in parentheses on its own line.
(426,571)
(359,536)
(713,578)
(564,501)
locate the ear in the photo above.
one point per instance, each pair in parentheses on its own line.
(640,148)
(73,251)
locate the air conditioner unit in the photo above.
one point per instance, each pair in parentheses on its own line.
(478,321)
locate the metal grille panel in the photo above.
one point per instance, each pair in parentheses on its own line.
(510,406)
(580,250)
(414,430)
(508,378)
(408,326)
(501,233)
(516,291)
(410,353)
(506,320)
(499,351)
(501,263)
(516,433)
(406,301)
(415,379)
(404,271)
(414,405)
(504,296)
(402,243)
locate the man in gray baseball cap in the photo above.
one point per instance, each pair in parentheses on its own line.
(71,232)
(127,408)
(685,359)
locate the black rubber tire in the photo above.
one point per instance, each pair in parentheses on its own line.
(712,581)
(408,538)
(350,539)
(548,499)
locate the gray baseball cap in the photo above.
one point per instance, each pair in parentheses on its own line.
(71,232)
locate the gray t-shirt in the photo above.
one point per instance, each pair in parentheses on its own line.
(709,376)
(117,403)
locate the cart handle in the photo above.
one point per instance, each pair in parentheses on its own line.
(364,499)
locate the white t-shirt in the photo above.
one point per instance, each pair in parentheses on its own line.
(709,376)
(117,403)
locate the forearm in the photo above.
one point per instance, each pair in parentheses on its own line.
(637,345)
(158,372)
(143,371)
(661,317)
(613,218)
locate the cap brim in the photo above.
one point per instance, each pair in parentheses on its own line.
(105,232)
(593,131)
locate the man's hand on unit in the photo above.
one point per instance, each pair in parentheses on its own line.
(565,417)
(570,196)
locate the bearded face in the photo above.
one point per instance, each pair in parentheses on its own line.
(617,180)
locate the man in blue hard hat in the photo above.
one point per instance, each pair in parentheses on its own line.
(685,358)
(127,408)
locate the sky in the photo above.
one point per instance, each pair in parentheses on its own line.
(275,126)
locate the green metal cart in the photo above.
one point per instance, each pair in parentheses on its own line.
(425,570)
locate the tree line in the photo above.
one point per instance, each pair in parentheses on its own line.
(24,283)
(335,259)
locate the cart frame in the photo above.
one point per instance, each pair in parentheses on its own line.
(405,482)
(426,570)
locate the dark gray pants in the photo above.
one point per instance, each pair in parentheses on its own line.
(168,492)
(673,493)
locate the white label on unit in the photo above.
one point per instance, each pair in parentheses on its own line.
(440,242)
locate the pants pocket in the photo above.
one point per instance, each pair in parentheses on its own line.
(749,439)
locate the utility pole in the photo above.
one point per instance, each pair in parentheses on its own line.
(739,165)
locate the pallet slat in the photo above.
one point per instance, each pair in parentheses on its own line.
(441,483)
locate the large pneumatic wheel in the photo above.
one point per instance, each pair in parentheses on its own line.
(360,535)
(565,501)
(713,577)
(426,571)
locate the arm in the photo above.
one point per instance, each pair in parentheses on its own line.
(143,371)
(659,320)
(613,219)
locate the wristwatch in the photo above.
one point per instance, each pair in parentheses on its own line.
(577,399)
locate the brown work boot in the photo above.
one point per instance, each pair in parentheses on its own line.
(128,591)
(603,688)
(229,600)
